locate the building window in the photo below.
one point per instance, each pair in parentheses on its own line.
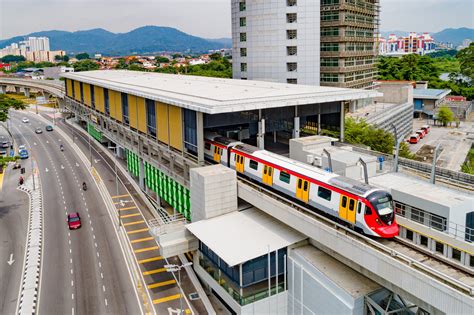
(439,248)
(331,31)
(243,52)
(456,254)
(291,18)
(291,66)
(151,117)
(423,240)
(243,78)
(291,34)
(329,77)
(81,88)
(243,21)
(291,50)
(243,37)
(242,6)
(331,2)
(409,235)
(324,193)
(106,102)
(417,215)
(253,164)
(292,81)
(91,87)
(290,3)
(125,115)
(243,67)
(330,16)
(329,47)
(329,62)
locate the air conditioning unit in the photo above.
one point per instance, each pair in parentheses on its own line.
(310,159)
(318,161)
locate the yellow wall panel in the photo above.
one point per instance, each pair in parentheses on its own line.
(69,87)
(113,104)
(176,127)
(141,114)
(118,106)
(87,94)
(99,99)
(132,111)
(77,91)
(162,122)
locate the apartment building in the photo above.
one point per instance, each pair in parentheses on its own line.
(276,40)
(348,42)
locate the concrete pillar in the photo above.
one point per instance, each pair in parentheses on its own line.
(296,127)
(319,124)
(261,134)
(17,89)
(46,95)
(3,89)
(141,175)
(341,136)
(27,92)
(200,137)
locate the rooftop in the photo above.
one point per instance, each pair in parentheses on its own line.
(430,93)
(240,236)
(216,95)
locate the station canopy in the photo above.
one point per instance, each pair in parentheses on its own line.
(240,236)
(216,95)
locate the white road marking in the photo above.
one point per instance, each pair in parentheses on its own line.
(100,265)
(68,233)
(77,164)
(103,288)
(72,271)
(97,254)
(95,245)
(102,275)
(72,296)
(47,141)
(70,260)
(72,311)
(72,283)
(92,229)
(88,215)
(62,166)
(46,170)
(90,221)
(69,242)
(93,235)
(70,251)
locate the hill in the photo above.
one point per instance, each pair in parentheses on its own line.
(143,40)
(454,35)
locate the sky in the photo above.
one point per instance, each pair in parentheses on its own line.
(204,18)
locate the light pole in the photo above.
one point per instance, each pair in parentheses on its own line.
(174,268)
(397,147)
(116,179)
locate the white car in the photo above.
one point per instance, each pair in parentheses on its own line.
(21,147)
(25,120)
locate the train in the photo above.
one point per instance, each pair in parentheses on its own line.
(363,207)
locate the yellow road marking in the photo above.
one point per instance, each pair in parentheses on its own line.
(161,284)
(130,215)
(120,196)
(152,272)
(150,259)
(142,239)
(142,250)
(1,178)
(166,299)
(134,223)
(127,208)
(137,231)
(187,311)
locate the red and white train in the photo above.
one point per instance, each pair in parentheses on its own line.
(364,207)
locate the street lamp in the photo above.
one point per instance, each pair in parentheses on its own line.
(116,178)
(174,268)
(397,147)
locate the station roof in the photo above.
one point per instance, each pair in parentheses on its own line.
(430,94)
(216,95)
(240,236)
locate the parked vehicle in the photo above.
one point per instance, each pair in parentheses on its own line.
(420,133)
(23,154)
(425,128)
(16,165)
(414,138)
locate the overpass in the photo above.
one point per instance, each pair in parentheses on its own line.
(46,87)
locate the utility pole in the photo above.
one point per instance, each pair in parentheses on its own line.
(397,147)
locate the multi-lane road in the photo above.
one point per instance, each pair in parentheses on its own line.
(83,271)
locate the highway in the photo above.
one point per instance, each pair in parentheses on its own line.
(83,271)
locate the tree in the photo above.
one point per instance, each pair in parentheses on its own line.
(177,56)
(215,56)
(85,65)
(82,56)
(58,58)
(6,103)
(121,64)
(12,58)
(66,58)
(161,59)
(445,115)
(466,61)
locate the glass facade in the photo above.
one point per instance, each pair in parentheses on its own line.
(106,101)
(190,130)
(151,117)
(94,132)
(125,114)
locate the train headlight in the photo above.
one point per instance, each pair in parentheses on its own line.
(378,221)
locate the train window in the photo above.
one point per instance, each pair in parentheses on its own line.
(359,207)
(324,193)
(299,183)
(207,145)
(440,247)
(285,177)
(471,261)
(253,164)
(368,211)
(305,186)
(351,204)
(410,235)
(344,202)
(423,240)
(456,254)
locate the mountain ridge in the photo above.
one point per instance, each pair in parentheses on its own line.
(452,35)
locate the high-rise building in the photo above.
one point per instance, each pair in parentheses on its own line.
(348,42)
(276,40)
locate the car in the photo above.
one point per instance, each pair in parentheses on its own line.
(425,128)
(38,130)
(414,138)
(73,220)
(23,154)
(421,133)
(4,144)
(49,128)
(21,147)
(25,120)
(16,165)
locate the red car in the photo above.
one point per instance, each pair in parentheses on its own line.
(414,138)
(73,221)
(421,133)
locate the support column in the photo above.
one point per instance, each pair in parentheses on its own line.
(17,89)
(261,134)
(3,89)
(27,92)
(141,174)
(296,127)
(200,137)
(341,136)
(319,124)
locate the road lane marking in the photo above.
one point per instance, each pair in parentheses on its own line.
(103,288)
(95,244)
(105,300)
(98,254)
(100,265)
(130,215)
(134,223)
(152,272)
(70,260)
(127,208)
(166,299)
(72,283)
(72,271)
(102,275)
(161,284)
(72,296)
(120,196)
(147,249)
(137,231)
(150,259)
(142,240)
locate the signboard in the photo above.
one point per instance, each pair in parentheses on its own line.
(41,100)
(94,119)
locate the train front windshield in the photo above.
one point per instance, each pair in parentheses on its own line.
(383,204)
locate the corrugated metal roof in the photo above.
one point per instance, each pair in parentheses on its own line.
(216,95)
(430,93)
(240,236)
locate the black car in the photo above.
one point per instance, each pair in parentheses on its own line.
(49,128)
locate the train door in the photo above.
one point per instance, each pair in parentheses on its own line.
(351,211)
(347,209)
(217,154)
(239,163)
(268,175)
(302,190)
